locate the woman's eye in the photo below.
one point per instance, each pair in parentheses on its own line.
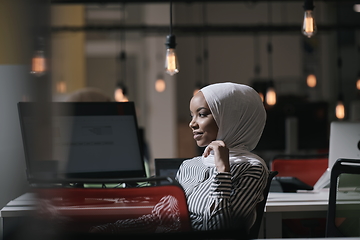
(202,115)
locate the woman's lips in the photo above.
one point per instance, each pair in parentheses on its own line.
(197,136)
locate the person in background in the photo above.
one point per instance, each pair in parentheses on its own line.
(224,185)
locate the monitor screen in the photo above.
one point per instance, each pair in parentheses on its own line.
(84,140)
(167,167)
(344,141)
(312,125)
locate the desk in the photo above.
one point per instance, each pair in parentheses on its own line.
(79,210)
(14,213)
(298,205)
(281,206)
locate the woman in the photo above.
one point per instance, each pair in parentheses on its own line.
(224,185)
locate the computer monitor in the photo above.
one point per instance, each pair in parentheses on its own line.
(167,167)
(344,141)
(88,140)
(312,125)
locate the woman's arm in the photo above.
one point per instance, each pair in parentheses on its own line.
(234,196)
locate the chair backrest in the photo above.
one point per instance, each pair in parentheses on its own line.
(254,230)
(84,208)
(167,166)
(306,168)
(343,219)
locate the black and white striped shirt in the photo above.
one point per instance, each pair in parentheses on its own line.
(222,200)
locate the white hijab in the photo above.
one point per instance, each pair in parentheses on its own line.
(240,115)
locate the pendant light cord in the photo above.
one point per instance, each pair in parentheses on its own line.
(205,46)
(269,46)
(122,50)
(171,18)
(257,68)
(339,65)
(339,60)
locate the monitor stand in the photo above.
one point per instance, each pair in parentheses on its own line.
(324,181)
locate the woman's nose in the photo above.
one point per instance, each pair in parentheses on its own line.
(192,124)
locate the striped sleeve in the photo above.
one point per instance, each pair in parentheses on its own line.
(235,199)
(222,200)
(221,185)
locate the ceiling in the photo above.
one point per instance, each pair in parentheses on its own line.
(349,20)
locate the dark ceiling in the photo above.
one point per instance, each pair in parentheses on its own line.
(349,20)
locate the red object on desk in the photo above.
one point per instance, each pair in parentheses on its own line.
(80,209)
(307,170)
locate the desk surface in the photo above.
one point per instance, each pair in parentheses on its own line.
(306,201)
(300,201)
(277,202)
(279,206)
(20,206)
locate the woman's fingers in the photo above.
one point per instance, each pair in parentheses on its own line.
(214,146)
(207,151)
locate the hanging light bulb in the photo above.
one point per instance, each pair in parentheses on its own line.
(38,62)
(121,91)
(271,96)
(120,94)
(340,108)
(160,84)
(309,26)
(311,80)
(171,61)
(358,83)
(61,87)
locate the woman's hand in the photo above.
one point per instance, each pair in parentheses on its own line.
(221,155)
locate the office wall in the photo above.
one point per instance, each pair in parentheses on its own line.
(231,57)
(15,86)
(68,51)
(160,118)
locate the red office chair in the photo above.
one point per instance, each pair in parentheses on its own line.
(115,210)
(306,168)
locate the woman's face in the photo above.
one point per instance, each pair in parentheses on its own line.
(202,121)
